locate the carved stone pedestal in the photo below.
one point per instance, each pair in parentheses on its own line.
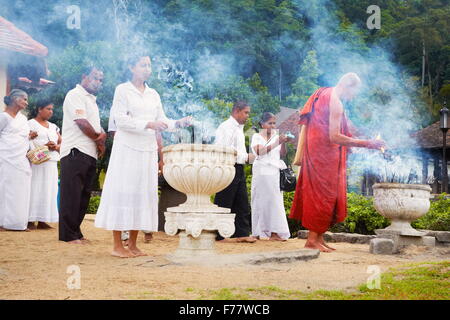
(198,231)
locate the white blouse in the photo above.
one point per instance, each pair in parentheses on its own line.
(272,158)
(14,143)
(45,135)
(130,113)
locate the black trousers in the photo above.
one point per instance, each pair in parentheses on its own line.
(235,197)
(78,171)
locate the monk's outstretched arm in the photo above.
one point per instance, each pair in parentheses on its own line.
(336,113)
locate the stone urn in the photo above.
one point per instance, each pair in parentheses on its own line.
(199,171)
(402,204)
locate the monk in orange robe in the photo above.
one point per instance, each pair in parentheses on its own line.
(321,194)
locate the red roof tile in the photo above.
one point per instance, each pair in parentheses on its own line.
(14,39)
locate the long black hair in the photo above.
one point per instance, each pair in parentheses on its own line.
(131,61)
(265,117)
(38,105)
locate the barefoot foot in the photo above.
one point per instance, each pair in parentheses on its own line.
(316,245)
(122,253)
(136,252)
(148,237)
(43,226)
(31,226)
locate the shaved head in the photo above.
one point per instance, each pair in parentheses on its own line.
(348,85)
(348,80)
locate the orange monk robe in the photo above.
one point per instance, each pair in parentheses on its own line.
(321,194)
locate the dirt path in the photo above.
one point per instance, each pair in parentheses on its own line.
(34,265)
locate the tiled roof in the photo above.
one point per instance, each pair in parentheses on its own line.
(291,125)
(14,39)
(431,137)
(284,114)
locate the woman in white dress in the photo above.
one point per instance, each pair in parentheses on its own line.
(44,180)
(15,169)
(268,214)
(130,193)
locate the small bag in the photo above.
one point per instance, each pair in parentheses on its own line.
(288,180)
(39,154)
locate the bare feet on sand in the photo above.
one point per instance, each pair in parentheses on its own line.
(316,245)
(122,253)
(43,226)
(276,237)
(31,226)
(77,241)
(322,242)
(136,252)
(148,237)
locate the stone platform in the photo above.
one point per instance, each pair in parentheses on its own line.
(247,258)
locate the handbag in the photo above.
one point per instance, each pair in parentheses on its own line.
(288,179)
(39,154)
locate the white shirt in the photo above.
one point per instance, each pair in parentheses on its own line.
(45,135)
(130,113)
(231,133)
(79,104)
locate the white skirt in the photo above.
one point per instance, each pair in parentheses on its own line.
(129,198)
(268,213)
(14,197)
(44,192)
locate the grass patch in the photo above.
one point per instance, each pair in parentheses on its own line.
(417,281)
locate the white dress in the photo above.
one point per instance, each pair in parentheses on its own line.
(129,198)
(15,172)
(268,213)
(44,180)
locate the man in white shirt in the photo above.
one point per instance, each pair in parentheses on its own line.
(83,141)
(231,133)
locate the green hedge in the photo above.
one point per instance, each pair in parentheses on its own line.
(438,218)
(362,217)
(94,202)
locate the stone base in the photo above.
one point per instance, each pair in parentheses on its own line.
(247,258)
(381,246)
(340,237)
(204,245)
(402,240)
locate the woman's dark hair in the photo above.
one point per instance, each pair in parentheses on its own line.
(8,100)
(131,61)
(38,105)
(266,116)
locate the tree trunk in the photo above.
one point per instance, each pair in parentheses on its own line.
(423,63)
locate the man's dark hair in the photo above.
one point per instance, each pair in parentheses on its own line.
(87,69)
(239,105)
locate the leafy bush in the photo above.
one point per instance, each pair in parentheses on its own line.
(94,202)
(362,217)
(438,218)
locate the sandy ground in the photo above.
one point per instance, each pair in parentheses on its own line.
(34,265)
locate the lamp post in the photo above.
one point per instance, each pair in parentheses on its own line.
(444,127)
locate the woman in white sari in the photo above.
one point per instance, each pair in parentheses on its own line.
(44,180)
(268,214)
(130,193)
(15,169)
